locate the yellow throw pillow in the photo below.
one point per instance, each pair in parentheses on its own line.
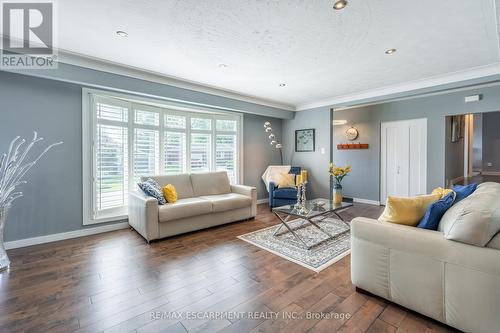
(442,191)
(407,210)
(170,193)
(285,180)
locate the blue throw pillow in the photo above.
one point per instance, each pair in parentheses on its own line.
(463,191)
(435,212)
(153,189)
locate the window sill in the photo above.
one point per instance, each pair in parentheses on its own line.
(105,219)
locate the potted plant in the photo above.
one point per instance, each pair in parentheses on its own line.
(338,173)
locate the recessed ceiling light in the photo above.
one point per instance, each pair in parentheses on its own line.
(390,51)
(222,66)
(282,84)
(122,33)
(340,4)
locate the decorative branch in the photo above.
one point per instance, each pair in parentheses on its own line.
(272,139)
(13,168)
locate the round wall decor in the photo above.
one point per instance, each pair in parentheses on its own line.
(351,134)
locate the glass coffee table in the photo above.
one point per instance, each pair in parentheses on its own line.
(314,211)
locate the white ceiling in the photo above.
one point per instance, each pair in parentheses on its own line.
(320,54)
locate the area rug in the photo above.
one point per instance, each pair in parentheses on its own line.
(287,246)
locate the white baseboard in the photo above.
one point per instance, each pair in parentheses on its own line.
(366,201)
(64,235)
(490,173)
(262,201)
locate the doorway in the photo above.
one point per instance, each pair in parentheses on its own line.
(472,154)
(403,158)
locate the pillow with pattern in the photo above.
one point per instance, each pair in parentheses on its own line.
(151,188)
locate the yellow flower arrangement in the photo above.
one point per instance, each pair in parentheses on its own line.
(339,172)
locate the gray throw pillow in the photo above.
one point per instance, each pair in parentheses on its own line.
(151,188)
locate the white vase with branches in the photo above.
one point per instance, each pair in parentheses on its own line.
(14,165)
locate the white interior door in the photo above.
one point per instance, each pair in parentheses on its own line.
(403,158)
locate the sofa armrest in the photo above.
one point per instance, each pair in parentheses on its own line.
(271,188)
(248,191)
(426,243)
(455,283)
(143,215)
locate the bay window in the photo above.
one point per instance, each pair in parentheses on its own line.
(126,139)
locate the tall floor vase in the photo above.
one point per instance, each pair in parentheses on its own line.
(4,259)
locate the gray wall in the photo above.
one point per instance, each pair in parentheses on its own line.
(491,141)
(52,201)
(366,164)
(454,155)
(362,182)
(258,153)
(104,80)
(315,162)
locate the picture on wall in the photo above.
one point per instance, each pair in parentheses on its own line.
(305,140)
(457,128)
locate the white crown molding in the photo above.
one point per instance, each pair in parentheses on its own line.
(64,235)
(75,59)
(470,74)
(443,92)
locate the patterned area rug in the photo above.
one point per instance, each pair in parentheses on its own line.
(319,257)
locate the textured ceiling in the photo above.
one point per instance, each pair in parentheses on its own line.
(318,52)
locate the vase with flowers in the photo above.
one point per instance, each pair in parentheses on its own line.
(338,174)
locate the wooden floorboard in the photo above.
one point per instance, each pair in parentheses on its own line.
(116,282)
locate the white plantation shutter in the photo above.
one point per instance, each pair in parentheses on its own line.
(226,148)
(146,153)
(226,155)
(174,151)
(131,140)
(111,175)
(111,157)
(200,152)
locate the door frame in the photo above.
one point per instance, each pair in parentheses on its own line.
(383,170)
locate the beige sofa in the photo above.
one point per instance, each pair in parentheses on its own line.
(204,200)
(453,282)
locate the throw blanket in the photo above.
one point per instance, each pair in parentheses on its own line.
(272,172)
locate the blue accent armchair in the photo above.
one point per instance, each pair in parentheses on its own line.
(283,196)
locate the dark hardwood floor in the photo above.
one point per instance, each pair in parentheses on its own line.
(479,179)
(115,282)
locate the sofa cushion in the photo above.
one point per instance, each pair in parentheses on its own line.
(463,191)
(407,210)
(182,184)
(230,201)
(151,188)
(285,193)
(184,208)
(211,183)
(436,211)
(170,193)
(285,180)
(475,219)
(494,242)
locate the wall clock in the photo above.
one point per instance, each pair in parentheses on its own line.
(351,134)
